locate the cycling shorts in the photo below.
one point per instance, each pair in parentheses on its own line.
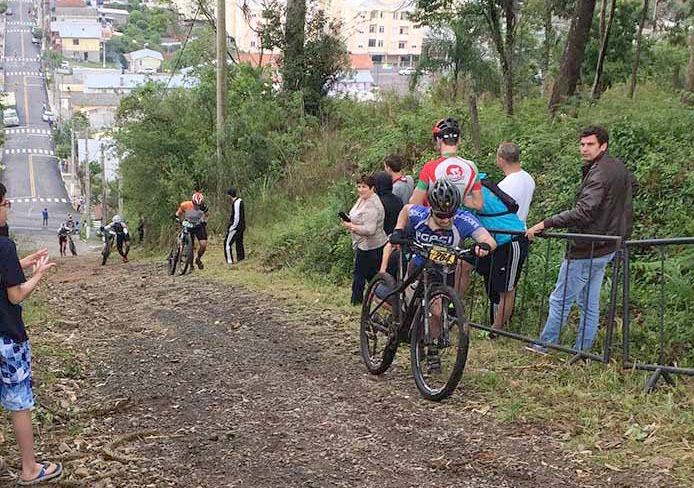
(200,231)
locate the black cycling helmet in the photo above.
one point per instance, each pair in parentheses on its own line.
(444,197)
(448,130)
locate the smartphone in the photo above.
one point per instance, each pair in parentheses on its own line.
(343,216)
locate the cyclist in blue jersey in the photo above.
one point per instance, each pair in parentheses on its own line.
(443,222)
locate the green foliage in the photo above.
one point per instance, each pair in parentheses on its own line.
(3,7)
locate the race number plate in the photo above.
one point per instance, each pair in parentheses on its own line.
(441,255)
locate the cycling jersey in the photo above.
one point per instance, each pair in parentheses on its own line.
(464,225)
(193,215)
(117,227)
(461,172)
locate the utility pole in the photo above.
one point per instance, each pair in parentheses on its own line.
(221,82)
(102,159)
(120,195)
(72,151)
(88,203)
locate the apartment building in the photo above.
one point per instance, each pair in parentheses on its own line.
(380,28)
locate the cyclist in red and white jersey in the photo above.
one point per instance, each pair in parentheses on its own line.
(459,171)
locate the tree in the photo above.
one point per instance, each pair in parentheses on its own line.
(605,28)
(637,54)
(293,64)
(570,68)
(690,66)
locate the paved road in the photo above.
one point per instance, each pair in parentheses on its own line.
(31,173)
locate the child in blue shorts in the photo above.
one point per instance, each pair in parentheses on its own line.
(15,354)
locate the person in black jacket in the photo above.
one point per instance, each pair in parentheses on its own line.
(391,202)
(237,225)
(603,207)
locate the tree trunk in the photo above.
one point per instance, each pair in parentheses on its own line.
(547,44)
(690,67)
(475,132)
(293,70)
(570,69)
(605,28)
(509,48)
(637,54)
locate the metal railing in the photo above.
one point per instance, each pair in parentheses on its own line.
(531,307)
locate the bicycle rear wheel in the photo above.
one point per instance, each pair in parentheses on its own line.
(73,248)
(106,250)
(377,334)
(438,357)
(185,258)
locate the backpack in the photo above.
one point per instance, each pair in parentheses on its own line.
(506,199)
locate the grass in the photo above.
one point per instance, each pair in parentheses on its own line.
(598,411)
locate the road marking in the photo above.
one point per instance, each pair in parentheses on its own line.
(37,199)
(33,74)
(31,176)
(40,152)
(29,131)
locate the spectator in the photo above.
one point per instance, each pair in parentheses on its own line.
(15,352)
(402,184)
(5,230)
(44,213)
(368,237)
(603,207)
(391,203)
(237,226)
(517,183)
(502,268)
(77,228)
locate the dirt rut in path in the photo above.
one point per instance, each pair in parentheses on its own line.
(191,382)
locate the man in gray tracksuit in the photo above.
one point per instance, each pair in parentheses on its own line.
(237,224)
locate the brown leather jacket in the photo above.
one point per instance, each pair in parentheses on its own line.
(603,207)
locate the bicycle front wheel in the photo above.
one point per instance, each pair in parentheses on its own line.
(438,355)
(377,337)
(186,256)
(172,260)
(73,248)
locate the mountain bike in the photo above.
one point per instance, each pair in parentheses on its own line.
(422,310)
(71,244)
(181,254)
(108,236)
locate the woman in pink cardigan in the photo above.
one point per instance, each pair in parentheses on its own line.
(368,236)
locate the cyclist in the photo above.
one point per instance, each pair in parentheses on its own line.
(443,223)
(461,172)
(195,212)
(70,222)
(63,232)
(122,236)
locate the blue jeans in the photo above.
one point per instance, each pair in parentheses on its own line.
(579,282)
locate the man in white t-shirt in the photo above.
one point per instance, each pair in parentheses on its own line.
(517,183)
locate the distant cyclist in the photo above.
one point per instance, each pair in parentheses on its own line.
(195,212)
(118,227)
(461,172)
(63,232)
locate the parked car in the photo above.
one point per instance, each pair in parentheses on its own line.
(10,117)
(8,11)
(148,71)
(407,71)
(47,116)
(35,40)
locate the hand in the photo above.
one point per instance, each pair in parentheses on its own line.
(534,230)
(42,266)
(482,249)
(348,225)
(32,259)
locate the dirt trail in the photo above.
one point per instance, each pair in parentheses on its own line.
(194,383)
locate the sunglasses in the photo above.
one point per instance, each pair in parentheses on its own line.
(6,203)
(444,215)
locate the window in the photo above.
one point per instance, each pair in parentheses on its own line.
(75,42)
(381,14)
(360,46)
(401,45)
(381,29)
(404,16)
(403,31)
(395,16)
(372,28)
(380,43)
(252,43)
(374,14)
(414,46)
(416,26)
(372,42)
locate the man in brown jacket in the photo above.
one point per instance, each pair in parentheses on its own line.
(603,207)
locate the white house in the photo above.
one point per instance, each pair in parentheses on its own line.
(144,60)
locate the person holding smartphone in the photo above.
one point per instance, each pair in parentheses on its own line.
(368,237)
